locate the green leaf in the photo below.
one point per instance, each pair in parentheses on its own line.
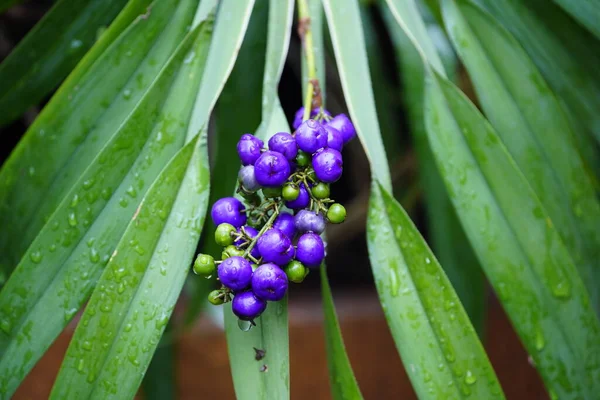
(62,266)
(343,17)
(79,121)
(440,349)
(53,47)
(447,238)
(534,128)
(567,56)
(137,291)
(343,382)
(586,12)
(519,248)
(267,378)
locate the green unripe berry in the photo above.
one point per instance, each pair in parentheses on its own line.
(271,193)
(336,213)
(232,251)
(216,297)
(296,271)
(302,159)
(223,235)
(204,265)
(290,192)
(321,191)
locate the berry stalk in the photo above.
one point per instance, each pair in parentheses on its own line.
(312,99)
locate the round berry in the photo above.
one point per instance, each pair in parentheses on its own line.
(216,297)
(271,193)
(284,143)
(248,148)
(311,136)
(302,201)
(302,159)
(296,271)
(235,273)
(246,306)
(269,282)
(342,123)
(310,250)
(335,139)
(336,213)
(250,233)
(328,165)
(321,191)
(308,221)
(204,265)
(248,179)
(223,235)
(274,246)
(300,114)
(290,192)
(286,224)
(231,251)
(229,210)
(271,169)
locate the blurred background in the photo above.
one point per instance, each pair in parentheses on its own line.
(195,336)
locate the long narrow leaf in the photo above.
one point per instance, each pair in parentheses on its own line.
(534,128)
(447,238)
(440,349)
(267,378)
(50,51)
(79,121)
(60,269)
(586,12)
(412,287)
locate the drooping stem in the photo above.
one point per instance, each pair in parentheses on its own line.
(313,91)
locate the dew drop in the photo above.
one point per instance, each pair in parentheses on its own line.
(128,328)
(6,325)
(86,345)
(127,94)
(394,282)
(70,313)
(80,365)
(123,202)
(36,256)
(88,183)
(75,44)
(562,290)
(540,342)
(94,255)
(470,378)
(74,201)
(72,218)
(245,326)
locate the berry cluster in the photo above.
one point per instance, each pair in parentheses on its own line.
(265,246)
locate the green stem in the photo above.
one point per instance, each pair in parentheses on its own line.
(307,41)
(262,231)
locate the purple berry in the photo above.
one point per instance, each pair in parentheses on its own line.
(328,165)
(335,139)
(285,144)
(271,169)
(248,148)
(310,250)
(251,232)
(342,123)
(246,306)
(311,136)
(274,246)
(300,114)
(235,273)
(308,221)
(247,178)
(228,210)
(269,282)
(285,223)
(302,201)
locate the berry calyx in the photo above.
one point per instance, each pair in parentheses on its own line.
(216,297)
(246,306)
(321,191)
(290,192)
(204,265)
(269,282)
(296,271)
(336,213)
(224,234)
(235,273)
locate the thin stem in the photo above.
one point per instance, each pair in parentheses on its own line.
(305,33)
(262,231)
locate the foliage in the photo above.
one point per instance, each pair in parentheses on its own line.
(103,201)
